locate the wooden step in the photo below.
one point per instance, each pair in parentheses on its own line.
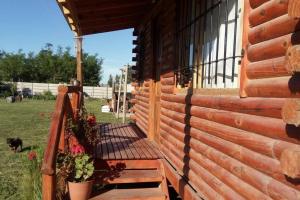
(132,194)
(132,176)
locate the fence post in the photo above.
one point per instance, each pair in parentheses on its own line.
(125,93)
(119,94)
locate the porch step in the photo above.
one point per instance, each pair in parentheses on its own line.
(132,176)
(132,194)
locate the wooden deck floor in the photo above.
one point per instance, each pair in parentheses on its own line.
(125,142)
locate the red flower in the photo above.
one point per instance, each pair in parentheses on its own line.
(77,149)
(32,155)
(91,119)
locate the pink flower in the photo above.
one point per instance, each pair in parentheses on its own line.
(32,155)
(77,149)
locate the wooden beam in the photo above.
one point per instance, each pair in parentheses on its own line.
(294,8)
(108,5)
(70,20)
(291,111)
(79,59)
(112,13)
(110,21)
(66,11)
(101,29)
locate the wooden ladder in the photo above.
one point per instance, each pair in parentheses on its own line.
(135,178)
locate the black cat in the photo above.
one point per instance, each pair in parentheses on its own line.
(15,144)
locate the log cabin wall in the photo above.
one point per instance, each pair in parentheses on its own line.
(231,146)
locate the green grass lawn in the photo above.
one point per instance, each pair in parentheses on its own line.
(29,120)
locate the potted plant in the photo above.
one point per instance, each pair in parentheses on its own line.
(75,170)
(80,182)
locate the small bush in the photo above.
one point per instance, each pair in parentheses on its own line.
(46,95)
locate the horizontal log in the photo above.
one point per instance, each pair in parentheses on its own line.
(294,8)
(268,11)
(272,48)
(270,127)
(260,144)
(180,184)
(225,176)
(262,182)
(268,68)
(293,59)
(143,99)
(197,182)
(267,165)
(280,87)
(268,107)
(133,101)
(142,128)
(277,27)
(290,163)
(142,109)
(256,106)
(291,112)
(167,89)
(168,74)
(144,94)
(205,174)
(167,81)
(257,3)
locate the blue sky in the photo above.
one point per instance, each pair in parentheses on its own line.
(30,24)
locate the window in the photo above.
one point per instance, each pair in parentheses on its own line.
(208,43)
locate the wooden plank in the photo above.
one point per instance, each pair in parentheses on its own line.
(152,147)
(133,139)
(131,176)
(103,143)
(114,142)
(127,164)
(132,194)
(125,145)
(129,144)
(119,142)
(138,144)
(111,151)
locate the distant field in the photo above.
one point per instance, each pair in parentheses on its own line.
(30,121)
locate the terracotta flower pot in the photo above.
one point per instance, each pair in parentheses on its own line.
(80,191)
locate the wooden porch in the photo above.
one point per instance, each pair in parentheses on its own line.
(127,163)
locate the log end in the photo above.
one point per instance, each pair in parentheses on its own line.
(294,8)
(293,59)
(290,163)
(291,112)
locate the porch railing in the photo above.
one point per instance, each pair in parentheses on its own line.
(68,103)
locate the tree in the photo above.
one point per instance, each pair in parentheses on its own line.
(117,79)
(48,65)
(110,81)
(92,69)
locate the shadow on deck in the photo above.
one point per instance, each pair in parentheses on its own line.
(128,165)
(125,142)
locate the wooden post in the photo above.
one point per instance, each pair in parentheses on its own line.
(119,94)
(125,93)
(79,60)
(112,95)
